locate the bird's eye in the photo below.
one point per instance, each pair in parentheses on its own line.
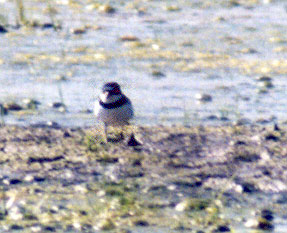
(116,91)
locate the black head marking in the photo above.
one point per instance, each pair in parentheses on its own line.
(113,88)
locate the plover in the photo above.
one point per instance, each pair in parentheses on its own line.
(113,108)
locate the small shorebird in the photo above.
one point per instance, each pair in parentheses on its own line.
(113,108)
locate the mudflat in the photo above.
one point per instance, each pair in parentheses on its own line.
(180,178)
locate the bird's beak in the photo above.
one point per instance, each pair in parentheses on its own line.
(106,94)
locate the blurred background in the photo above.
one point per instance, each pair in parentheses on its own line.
(180,62)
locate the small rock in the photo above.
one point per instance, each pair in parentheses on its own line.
(249,188)
(264,224)
(3,29)
(61,78)
(106,9)
(49,229)
(272,137)
(237,143)
(16,213)
(39,179)
(212,117)
(133,141)
(233,3)
(267,214)
(16,227)
(242,121)
(251,223)
(187,44)
(203,97)
(3,111)
(31,103)
(129,38)
(282,199)
(191,204)
(28,178)
(172,8)
(158,74)
(222,228)
(137,162)
(36,228)
(12,106)
(141,223)
(265,155)
(78,31)
(61,107)
(249,50)
(47,25)
(262,91)
(105,225)
(264,79)
(266,84)
(57,105)
(246,156)
(276,127)
(15,181)
(66,134)
(86,111)
(53,124)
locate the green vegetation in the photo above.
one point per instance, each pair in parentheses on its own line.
(20,12)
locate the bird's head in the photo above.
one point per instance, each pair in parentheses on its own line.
(111,89)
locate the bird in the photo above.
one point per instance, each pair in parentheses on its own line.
(113,108)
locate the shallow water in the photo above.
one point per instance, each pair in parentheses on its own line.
(201,47)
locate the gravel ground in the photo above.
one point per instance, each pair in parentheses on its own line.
(179,177)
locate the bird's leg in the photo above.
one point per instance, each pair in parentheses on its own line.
(124,131)
(106,131)
(122,137)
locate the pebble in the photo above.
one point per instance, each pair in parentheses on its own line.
(48,25)
(222,228)
(203,97)
(78,31)
(53,124)
(129,38)
(106,9)
(56,105)
(242,121)
(262,91)
(16,227)
(158,74)
(61,107)
(3,29)
(265,155)
(28,178)
(264,224)
(133,142)
(264,79)
(31,103)
(267,214)
(248,188)
(49,229)
(36,228)
(272,137)
(12,106)
(249,50)
(172,8)
(15,181)
(141,223)
(251,223)
(3,111)
(266,84)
